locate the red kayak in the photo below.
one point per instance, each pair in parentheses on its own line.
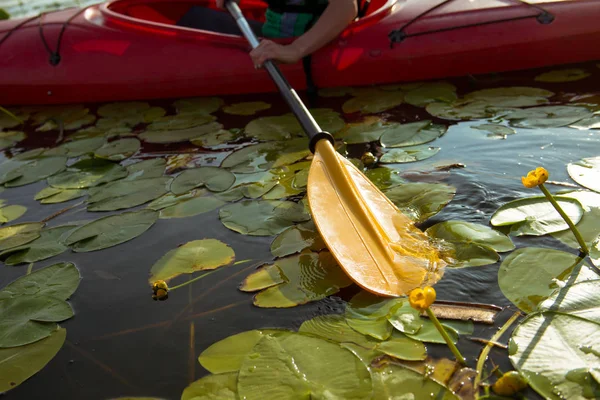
(132,49)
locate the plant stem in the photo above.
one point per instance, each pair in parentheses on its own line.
(574,229)
(447,338)
(486,350)
(13,116)
(192,280)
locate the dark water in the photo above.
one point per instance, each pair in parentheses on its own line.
(121,343)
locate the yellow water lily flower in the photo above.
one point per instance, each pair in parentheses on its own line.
(535,178)
(160,290)
(421,298)
(509,384)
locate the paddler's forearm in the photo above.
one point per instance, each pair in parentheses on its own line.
(335,18)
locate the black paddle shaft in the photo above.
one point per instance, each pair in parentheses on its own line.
(306,120)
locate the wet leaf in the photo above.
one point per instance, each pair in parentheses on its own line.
(368,314)
(253,158)
(307,277)
(408,154)
(411,134)
(214,139)
(431,92)
(33,171)
(262,278)
(49,244)
(547,117)
(28,319)
(198,105)
(516,96)
(51,195)
(10,138)
(334,373)
(10,213)
(58,281)
(586,172)
(262,217)
(151,168)
(197,255)
(296,239)
(87,173)
(391,380)
(17,364)
(581,300)
(461,110)
(420,201)
(215,179)
(368,130)
(544,338)
(126,194)
(180,135)
(536,215)
(385,177)
(213,387)
(563,75)
(286,126)
(197,204)
(118,150)
(17,235)
(247,108)
(592,122)
(76,148)
(372,102)
(110,231)
(405,319)
(429,333)
(588,225)
(529,275)
(495,129)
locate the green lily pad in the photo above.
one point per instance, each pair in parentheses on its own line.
(247,108)
(10,138)
(536,215)
(263,156)
(431,92)
(180,135)
(466,233)
(563,75)
(198,105)
(495,129)
(581,300)
(197,255)
(264,277)
(213,387)
(461,110)
(195,205)
(228,354)
(180,122)
(408,154)
(262,217)
(17,235)
(529,275)
(384,177)
(286,126)
(126,194)
(33,171)
(215,179)
(334,373)
(391,380)
(118,150)
(516,96)
(57,281)
(586,172)
(411,134)
(420,201)
(338,91)
(214,139)
(374,101)
(592,122)
(77,148)
(51,195)
(87,173)
(547,117)
(111,231)
(296,239)
(28,319)
(170,199)
(307,277)
(10,213)
(69,116)
(48,245)
(121,109)
(368,130)
(368,314)
(429,333)
(151,168)
(588,225)
(405,319)
(542,339)
(17,364)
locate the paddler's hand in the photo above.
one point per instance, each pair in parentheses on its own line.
(268,50)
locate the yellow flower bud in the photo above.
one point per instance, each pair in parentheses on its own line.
(368,159)
(535,178)
(421,298)
(160,290)
(509,384)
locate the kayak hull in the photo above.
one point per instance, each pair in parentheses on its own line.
(108,55)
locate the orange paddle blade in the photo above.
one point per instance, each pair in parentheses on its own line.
(375,243)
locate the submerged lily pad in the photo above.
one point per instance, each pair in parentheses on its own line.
(411,134)
(17,364)
(49,244)
(198,255)
(542,339)
(373,101)
(111,231)
(563,75)
(296,239)
(247,108)
(586,172)
(215,179)
(212,387)
(536,215)
(118,150)
(335,373)
(87,173)
(180,135)
(304,278)
(126,194)
(10,213)
(431,92)
(385,177)
(262,217)
(408,154)
(529,275)
(420,201)
(33,171)
(547,117)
